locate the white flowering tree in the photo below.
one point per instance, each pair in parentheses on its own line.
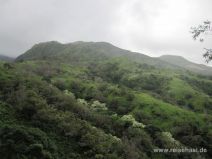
(98,106)
(131,120)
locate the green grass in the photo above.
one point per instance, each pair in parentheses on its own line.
(165,115)
(186,95)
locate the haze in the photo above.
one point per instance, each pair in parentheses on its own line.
(152,27)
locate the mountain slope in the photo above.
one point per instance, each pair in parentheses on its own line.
(133,70)
(182,62)
(95,101)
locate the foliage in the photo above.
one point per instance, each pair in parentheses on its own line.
(81,106)
(197,32)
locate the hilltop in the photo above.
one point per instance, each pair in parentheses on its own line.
(88,51)
(182,62)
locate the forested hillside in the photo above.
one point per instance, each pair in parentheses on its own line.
(96,101)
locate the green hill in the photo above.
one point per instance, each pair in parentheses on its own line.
(89,100)
(86,51)
(54,49)
(182,62)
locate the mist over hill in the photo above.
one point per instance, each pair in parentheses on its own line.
(6,58)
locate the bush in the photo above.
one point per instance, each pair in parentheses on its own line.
(22,142)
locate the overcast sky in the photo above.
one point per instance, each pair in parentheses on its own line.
(152,27)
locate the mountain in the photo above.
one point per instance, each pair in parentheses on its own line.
(86,51)
(53,49)
(89,51)
(6,58)
(93,100)
(134,70)
(182,62)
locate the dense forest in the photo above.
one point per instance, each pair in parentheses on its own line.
(87,100)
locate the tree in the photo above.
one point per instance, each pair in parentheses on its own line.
(200,32)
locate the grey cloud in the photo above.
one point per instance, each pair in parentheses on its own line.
(147,26)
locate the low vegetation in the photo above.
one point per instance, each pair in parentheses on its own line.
(64,105)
